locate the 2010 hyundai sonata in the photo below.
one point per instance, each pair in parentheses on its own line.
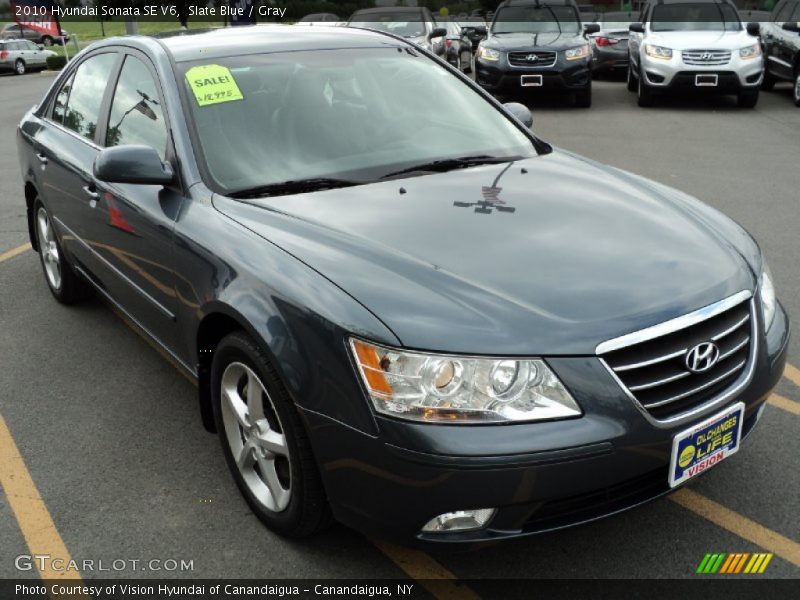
(403,310)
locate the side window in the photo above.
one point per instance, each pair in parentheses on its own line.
(30,45)
(136,113)
(60,104)
(86,96)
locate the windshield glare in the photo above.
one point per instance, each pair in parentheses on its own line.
(695,17)
(536,19)
(355,114)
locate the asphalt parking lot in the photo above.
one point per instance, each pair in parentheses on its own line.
(112,446)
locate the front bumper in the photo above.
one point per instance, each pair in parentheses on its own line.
(539,476)
(735,76)
(502,78)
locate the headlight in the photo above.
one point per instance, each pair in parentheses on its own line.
(658,51)
(767,291)
(576,53)
(748,52)
(453,389)
(488,53)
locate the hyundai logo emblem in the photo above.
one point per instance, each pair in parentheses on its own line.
(705,56)
(532,58)
(702,357)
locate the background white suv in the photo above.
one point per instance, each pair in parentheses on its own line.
(694,45)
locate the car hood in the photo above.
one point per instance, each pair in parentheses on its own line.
(702,40)
(531,41)
(546,256)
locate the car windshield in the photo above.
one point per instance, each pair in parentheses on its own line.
(402,24)
(695,16)
(536,19)
(354,114)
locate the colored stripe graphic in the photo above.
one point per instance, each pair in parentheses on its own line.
(734,563)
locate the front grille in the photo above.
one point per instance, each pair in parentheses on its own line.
(532,59)
(706,57)
(655,370)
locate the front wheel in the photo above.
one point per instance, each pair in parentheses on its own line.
(264,441)
(19,67)
(796,92)
(747,99)
(644,96)
(47,40)
(631,79)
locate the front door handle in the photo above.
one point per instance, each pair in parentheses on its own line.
(91,193)
(42,158)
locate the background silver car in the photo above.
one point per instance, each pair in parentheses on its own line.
(21,56)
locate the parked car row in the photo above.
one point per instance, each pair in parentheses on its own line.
(15,31)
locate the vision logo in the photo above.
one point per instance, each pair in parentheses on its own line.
(742,562)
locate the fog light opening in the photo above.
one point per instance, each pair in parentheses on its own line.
(460,520)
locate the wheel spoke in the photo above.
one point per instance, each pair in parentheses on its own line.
(270,478)
(273,442)
(255,397)
(238,407)
(247,456)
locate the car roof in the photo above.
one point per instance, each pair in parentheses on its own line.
(509,3)
(186,45)
(691,2)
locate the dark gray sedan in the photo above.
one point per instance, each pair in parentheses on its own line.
(403,310)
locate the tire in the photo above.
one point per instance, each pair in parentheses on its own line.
(768,81)
(631,79)
(20,67)
(747,99)
(290,499)
(796,90)
(64,283)
(47,40)
(644,96)
(583,98)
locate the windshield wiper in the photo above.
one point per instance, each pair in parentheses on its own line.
(450,164)
(294,186)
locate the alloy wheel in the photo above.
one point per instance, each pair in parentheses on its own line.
(19,67)
(255,435)
(49,249)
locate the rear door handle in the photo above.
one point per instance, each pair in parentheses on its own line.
(91,193)
(42,158)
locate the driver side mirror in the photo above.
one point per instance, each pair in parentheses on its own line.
(793,27)
(753,29)
(519,112)
(437,32)
(132,164)
(636,27)
(590,28)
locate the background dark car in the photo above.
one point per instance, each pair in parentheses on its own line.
(781,38)
(416,24)
(458,47)
(610,44)
(537,47)
(16,31)
(475,28)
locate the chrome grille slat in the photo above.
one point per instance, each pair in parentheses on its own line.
(652,361)
(730,330)
(647,386)
(651,364)
(697,389)
(706,57)
(543,59)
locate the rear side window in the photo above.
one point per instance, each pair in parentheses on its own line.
(86,95)
(136,113)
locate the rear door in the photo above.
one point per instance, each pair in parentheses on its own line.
(779,43)
(66,147)
(35,56)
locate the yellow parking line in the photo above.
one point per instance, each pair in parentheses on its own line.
(784,403)
(34,519)
(792,373)
(787,549)
(440,582)
(14,252)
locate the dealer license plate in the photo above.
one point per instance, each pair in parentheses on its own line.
(705,444)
